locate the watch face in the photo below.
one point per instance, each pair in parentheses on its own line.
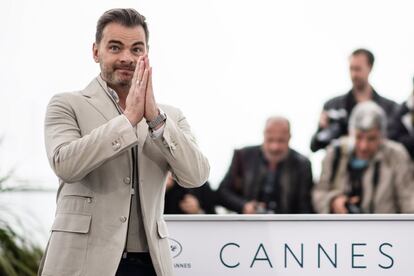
(160,118)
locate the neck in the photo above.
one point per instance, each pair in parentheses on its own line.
(121,91)
(363,93)
(272,166)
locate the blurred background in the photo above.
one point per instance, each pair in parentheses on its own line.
(228,65)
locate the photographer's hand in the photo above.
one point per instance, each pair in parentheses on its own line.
(323,120)
(338,205)
(250,207)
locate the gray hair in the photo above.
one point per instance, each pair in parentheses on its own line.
(366,116)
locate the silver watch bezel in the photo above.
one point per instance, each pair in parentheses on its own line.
(158,120)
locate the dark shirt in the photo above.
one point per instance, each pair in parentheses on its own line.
(270,191)
(204,194)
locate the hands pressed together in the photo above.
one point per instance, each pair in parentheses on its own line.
(140,102)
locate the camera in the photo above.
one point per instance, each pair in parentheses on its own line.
(353,208)
(336,128)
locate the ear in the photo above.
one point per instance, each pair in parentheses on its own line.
(95,52)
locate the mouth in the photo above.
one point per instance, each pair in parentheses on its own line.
(131,70)
(125,72)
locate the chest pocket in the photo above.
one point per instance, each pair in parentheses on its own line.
(75,204)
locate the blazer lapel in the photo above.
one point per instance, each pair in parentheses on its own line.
(96,94)
(257,180)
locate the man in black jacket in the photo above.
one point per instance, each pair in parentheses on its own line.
(401,128)
(180,200)
(333,121)
(270,178)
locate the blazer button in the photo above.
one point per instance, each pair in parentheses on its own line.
(116,146)
(123,219)
(127,180)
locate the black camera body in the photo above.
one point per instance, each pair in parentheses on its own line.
(338,123)
(353,208)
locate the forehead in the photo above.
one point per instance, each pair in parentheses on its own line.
(278,128)
(368,133)
(126,35)
(359,58)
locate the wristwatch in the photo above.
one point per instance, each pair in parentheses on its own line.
(158,120)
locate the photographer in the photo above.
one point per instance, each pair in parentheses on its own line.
(270,178)
(365,172)
(333,121)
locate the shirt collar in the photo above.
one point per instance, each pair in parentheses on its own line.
(113,94)
(108,90)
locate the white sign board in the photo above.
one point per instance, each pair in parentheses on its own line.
(305,245)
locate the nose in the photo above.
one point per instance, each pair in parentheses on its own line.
(275,146)
(126,58)
(363,145)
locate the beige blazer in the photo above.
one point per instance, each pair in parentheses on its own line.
(88,146)
(394,192)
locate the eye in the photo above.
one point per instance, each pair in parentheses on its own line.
(114,48)
(137,50)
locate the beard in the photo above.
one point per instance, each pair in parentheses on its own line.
(275,156)
(118,75)
(359,84)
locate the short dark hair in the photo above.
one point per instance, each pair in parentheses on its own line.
(368,54)
(125,17)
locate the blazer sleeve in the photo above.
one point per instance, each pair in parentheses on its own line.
(72,155)
(404,182)
(398,132)
(178,145)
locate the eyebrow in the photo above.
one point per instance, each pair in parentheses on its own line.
(120,43)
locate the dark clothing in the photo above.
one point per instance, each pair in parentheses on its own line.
(401,128)
(270,191)
(246,179)
(355,180)
(339,109)
(205,195)
(134,264)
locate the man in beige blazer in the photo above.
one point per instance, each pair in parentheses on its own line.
(111,146)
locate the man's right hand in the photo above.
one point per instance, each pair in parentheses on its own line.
(250,208)
(338,205)
(323,120)
(135,101)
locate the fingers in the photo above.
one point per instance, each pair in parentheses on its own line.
(144,81)
(140,72)
(136,71)
(354,200)
(324,120)
(149,88)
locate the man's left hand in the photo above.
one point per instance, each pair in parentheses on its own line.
(151,108)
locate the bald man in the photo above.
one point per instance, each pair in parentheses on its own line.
(270,178)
